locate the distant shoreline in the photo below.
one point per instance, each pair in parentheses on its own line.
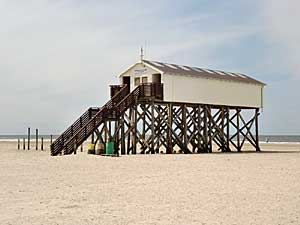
(271,139)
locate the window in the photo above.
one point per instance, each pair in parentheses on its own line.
(137,81)
(144,80)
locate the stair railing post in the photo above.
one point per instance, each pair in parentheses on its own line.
(90,114)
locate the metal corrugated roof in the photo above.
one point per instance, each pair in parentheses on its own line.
(205,73)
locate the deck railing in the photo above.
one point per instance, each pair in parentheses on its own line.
(114,89)
(105,112)
(153,90)
(69,133)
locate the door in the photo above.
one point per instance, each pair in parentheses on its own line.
(126,80)
(156,78)
(159,91)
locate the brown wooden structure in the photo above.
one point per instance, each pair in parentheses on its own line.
(141,122)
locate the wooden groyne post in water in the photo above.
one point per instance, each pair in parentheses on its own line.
(28,146)
(51,136)
(23,143)
(36,139)
(42,143)
(18,143)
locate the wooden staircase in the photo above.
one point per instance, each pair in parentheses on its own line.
(59,143)
(83,127)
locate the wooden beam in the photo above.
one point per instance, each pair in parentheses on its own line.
(228,130)
(256,130)
(152,128)
(238,130)
(123,151)
(134,132)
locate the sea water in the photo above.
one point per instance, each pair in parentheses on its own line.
(13,138)
(262,138)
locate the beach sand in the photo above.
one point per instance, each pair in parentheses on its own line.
(232,188)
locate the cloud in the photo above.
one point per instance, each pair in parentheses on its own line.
(281,27)
(58,57)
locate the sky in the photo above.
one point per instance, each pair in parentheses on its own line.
(58,57)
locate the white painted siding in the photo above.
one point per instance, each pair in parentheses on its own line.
(138,70)
(178,88)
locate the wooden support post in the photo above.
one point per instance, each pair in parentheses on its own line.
(117,136)
(42,143)
(23,143)
(205,130)
(222,130)
(81,147)
(123,151)
(105,132)
(75,148)
(93,138)
(109,128)
(36,138)
(51,137)
(194,131)
(158,134)
(256,130)
(228,130)
(129,133)
(199,128)
(116,131)
(209,129)
(184,124)
(238,130)
(152,128)
(28,136)
(143,107)
(144,122)
(169,129)
(18,143)
(134,129)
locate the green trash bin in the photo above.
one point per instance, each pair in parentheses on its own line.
(110,147)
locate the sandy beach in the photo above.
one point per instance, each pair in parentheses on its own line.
(233,188)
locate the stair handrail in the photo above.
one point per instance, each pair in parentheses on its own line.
(97,118)
(127,101)
(68,133)
(60,142)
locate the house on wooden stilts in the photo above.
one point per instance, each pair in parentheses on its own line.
(163,107)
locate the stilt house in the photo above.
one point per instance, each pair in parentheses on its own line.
(165,108)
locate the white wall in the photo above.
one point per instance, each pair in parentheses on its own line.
(139,70)
(178,88)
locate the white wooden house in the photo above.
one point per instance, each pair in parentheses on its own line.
(214,117)
(188,84)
